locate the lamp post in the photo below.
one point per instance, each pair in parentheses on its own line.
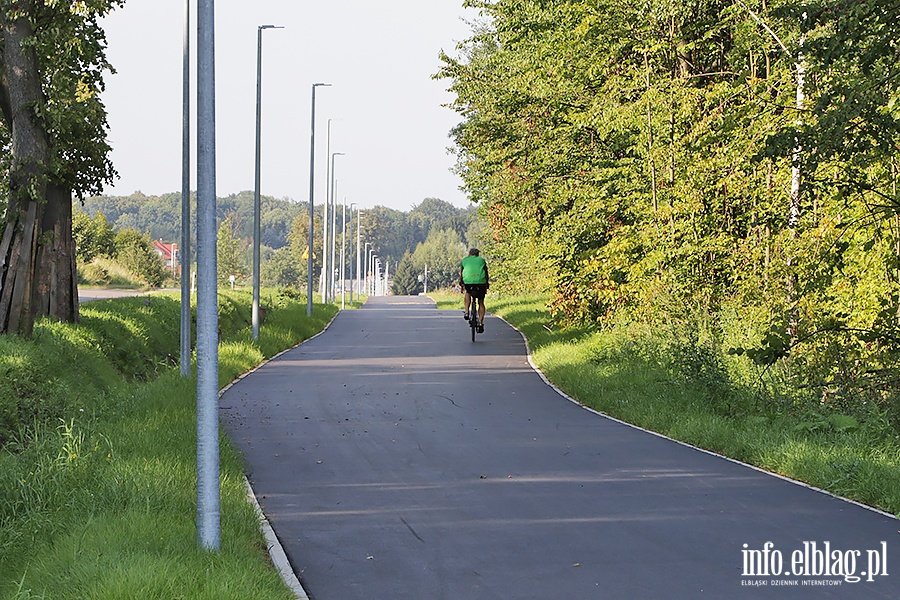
(365,273)
(379,291)
(343,256)
(185,358)
(312,185)
(335,268)
(208,502)
(375,262)
(323,280)
(256,201)
(330,274)
(358,220)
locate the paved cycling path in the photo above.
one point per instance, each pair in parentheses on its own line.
(396,459)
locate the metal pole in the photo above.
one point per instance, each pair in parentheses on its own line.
(323,280)
(368,269)
(375,263)
(343,246)
(377,271)
(332,262)
(208,531)
(186,196)
(256,201)
(365,271)
(352,278)
(312,186)
(334,267)
(331,241)
(358,219)
(257,217)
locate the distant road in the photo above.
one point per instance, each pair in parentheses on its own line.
(396,459)
(104,294)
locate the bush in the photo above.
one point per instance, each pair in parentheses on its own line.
(134,251)
(93,273)
(93,236)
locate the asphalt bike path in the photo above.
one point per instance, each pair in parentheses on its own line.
(396,459)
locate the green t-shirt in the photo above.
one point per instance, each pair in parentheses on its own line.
(474,269)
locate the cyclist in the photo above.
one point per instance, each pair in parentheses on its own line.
(474,279)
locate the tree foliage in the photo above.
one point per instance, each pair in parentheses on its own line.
(407,280)
(636,160)
(438,255)
(52,61)
(284,230)
(135,252)
(93,236)
(232,252)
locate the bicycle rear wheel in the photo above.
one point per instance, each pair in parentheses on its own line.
(473,317)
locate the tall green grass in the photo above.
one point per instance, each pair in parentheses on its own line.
(98,483)
(655,380)
(103,271)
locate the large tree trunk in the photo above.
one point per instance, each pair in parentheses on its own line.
(36,248)
(21,91)
(57,282)
(17,270)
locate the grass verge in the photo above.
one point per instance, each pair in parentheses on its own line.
(98,483)
(614,372)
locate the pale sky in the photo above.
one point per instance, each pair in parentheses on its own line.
(386,109)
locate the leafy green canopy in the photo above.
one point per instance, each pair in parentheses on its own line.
(636,161)
(70,47)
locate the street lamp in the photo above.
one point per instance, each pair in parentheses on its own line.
(343,255)
(365,273)
(323,280)
(330,273)
(375,262)
(358,220)
(335,268)
(312,184)
(185,358)
(256,201)
(368,262)
(208,490)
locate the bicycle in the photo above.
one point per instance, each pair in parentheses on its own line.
(473,315)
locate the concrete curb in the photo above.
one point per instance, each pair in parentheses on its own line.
(665,437)
(275,549)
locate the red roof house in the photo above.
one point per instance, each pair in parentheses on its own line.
(169,254)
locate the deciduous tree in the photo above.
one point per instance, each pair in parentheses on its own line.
(52,62)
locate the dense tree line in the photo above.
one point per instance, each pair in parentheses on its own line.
(284,230)
(682,161)
(160,216)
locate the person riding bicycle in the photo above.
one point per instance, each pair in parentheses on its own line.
(474,279)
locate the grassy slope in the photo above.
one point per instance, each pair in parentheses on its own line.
(99,492)
(599,370)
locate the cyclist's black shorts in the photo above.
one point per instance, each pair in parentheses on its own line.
(476,290)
